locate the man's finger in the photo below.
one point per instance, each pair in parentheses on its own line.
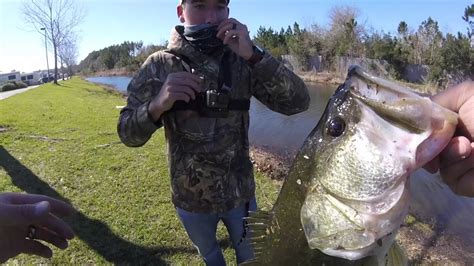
(35,248)
(465,186)
(25,214)
(58,207)
(186,83)
(453,173)
(231,35)
(454,97)
(179,96)
(58,226)
(184,75)
(184,89)
(458,149)
(51,237)
(225,23)
(224,29)
(432,166)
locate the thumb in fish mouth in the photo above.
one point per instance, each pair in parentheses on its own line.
(443,125)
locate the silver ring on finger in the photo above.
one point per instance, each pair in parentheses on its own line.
(31,234)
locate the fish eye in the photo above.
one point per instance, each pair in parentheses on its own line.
(336,126)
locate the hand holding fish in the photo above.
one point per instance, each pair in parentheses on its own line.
(456,162)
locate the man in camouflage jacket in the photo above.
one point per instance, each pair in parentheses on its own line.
(211,171)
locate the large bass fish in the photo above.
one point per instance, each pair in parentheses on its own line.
(347,192)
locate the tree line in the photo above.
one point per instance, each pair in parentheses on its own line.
(448,56)
(128,56)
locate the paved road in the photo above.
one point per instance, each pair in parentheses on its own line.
(6,94)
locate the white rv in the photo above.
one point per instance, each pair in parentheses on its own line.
(31,78)
(12,76)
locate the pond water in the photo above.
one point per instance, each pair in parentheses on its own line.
(118,82)
(268,129)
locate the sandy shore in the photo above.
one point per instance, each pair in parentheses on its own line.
(112,73)
(321,77)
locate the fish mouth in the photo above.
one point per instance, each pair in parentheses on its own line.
(407,110)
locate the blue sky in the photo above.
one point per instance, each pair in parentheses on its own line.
(109,22)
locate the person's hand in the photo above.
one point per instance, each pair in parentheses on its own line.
(27,219)
(236,36)
(178,86)
(456,162)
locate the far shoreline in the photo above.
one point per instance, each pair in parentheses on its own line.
(325,77)
(309,76)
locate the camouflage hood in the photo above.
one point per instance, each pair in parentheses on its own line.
(176,40)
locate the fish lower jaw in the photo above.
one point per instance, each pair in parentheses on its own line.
(378,248)
(348,254)
(353,229)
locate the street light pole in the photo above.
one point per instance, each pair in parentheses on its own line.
(46,47)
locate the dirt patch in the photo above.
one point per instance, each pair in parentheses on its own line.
(425,245)
(4,129)
(422,241)
(274,165)
(46,139)
(321,77)
(113,72)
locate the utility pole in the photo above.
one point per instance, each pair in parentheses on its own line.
(46,47)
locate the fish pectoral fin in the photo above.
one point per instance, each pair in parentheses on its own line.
(259,231)
(250,262)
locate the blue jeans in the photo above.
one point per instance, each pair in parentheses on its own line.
(201,229)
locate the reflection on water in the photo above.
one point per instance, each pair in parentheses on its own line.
(118,82)
(285,134)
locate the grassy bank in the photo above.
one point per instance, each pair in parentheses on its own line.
(61,141)
(111,72)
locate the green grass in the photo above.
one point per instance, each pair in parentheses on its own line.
(61,141)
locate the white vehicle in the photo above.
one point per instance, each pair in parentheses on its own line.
(32,78)
(12,76)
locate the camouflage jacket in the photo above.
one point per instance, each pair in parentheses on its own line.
(209,160)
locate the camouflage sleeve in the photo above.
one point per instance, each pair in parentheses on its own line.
(135,127)
(278,88)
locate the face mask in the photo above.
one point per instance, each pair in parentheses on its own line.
(203,37)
